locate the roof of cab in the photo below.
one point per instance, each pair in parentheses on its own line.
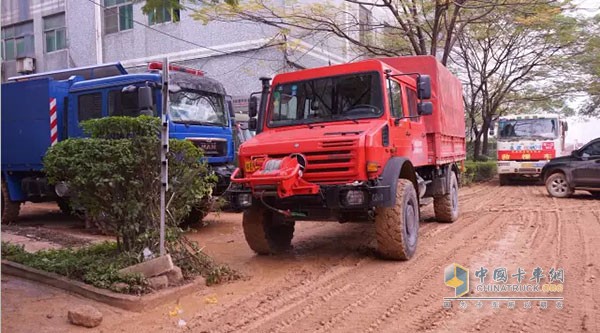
(115,81)
(87,72)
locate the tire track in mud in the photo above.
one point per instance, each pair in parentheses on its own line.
(552,231)
(431,313)
(366,294)
(318,285)
(521,229)
(372,287)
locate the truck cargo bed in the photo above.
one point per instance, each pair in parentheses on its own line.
(26,122)
(445,128)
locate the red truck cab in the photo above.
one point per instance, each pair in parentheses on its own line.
(370,141)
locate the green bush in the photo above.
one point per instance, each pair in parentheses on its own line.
(491,155)
(97,265)
(114,176)
(478,171)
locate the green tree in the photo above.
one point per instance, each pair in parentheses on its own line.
(377,28)
(517,61)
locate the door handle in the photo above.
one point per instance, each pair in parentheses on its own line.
(407,133)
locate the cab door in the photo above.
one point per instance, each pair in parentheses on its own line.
(399,126)
(416,128)
(586,170)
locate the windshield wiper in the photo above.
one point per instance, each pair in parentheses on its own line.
(342,117)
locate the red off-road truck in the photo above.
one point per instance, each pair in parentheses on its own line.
(370,141)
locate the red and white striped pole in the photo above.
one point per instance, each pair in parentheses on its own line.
(53,122)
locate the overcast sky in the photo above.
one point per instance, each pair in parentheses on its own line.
(585,130)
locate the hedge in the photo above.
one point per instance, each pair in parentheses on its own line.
(476,171)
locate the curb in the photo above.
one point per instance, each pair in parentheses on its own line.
(123,301)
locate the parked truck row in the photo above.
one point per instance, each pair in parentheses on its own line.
(366,142)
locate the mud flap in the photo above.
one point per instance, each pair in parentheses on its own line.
(386,195)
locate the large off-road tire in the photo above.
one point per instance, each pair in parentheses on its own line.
(397,227)
(504,180)
(558,186)
(266,232)
(10,209)
(446,206)
(65,206)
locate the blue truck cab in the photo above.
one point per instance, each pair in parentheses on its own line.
(40,110)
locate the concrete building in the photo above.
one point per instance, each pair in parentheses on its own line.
(44,35)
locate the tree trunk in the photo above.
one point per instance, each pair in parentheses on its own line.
(477,147)
(484,148)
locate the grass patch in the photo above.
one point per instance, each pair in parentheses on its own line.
(97,264)
(476,171)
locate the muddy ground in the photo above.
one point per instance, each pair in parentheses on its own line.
(333,280)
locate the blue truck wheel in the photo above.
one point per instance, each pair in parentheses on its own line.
(10,209)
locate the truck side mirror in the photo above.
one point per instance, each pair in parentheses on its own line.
(492,128)
(424,87)
(145,101)
(252,124)
(425,108)
(253,107)
(231,110)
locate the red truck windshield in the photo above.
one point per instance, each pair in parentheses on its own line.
(352,96)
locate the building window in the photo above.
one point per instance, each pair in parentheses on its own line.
(55,32)
(90,106)
(118,15)
(17,41)
(365,24)
(165,13)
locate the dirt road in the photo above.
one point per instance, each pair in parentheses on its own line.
(333,281)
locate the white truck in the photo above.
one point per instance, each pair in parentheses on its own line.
(527,142)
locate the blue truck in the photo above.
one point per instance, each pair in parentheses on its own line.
(42,109)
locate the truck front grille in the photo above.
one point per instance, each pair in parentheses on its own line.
(335,162)
(211,147)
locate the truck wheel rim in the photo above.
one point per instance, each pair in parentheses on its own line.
(559,186)
(410,219)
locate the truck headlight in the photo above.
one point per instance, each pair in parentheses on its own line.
(61,189)
(354,198)
(245,200)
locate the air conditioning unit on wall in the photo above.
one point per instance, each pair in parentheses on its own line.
(25,65)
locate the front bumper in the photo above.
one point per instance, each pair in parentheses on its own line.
(332,201)
(223,173)
(521,167)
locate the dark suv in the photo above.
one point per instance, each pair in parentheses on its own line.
(580,171)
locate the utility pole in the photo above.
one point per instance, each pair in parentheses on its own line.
(164,149)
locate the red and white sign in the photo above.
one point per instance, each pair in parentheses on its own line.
(53,122)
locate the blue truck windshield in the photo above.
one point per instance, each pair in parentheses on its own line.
(528,129)
(195,107)
(326,99)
